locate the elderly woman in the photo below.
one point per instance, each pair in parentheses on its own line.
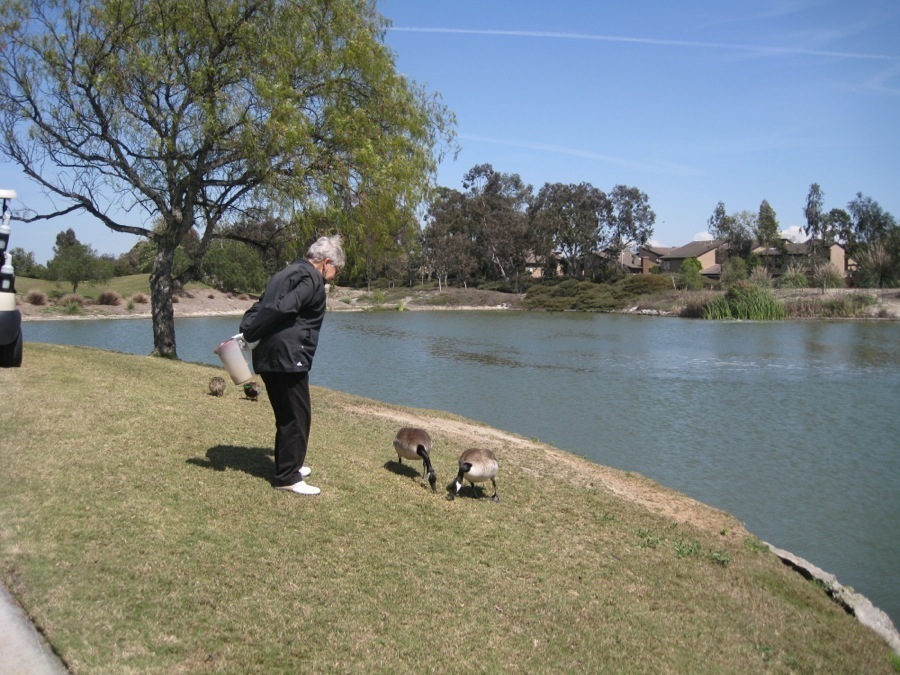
(286,322)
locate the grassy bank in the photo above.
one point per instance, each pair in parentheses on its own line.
(138,527)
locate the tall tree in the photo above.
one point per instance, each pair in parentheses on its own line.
(870,223)
(767,226)
(191,111)
(75,262)
(815,218)
(735,230)
(448,244)
(567,219)
(497,204)
(631,222)
(719,223)
(26,265)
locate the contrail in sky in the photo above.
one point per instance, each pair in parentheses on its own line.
(650,41)
(656,167)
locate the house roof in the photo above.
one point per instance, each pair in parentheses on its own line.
(629,260)
(658,250)
(792,248)
(693,250)
(624,258)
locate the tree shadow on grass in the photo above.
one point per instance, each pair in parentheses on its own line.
(257,462)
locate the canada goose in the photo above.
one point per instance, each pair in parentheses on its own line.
(415,444)
(217,386)
(252,390)
(476,465)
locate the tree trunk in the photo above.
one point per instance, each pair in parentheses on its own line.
(161,305)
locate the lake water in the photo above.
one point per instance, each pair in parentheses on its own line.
(792,427)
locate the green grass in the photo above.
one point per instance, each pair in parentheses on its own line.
(139,529)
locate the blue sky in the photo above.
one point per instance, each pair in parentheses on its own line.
(693,102)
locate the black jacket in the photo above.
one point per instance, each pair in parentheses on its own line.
(286,320)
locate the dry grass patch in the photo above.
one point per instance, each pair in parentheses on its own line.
(111,298)
(36,298)
(151,540)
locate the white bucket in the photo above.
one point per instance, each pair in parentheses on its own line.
(234,361)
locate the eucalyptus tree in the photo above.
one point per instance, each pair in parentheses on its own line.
(497,204)
(188,112)
(566,219)
(448,244)
(819,227)
(813,211)
(767,226)
(870,223)
(734,230)
(631,222)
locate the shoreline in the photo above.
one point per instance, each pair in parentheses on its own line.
(205,303)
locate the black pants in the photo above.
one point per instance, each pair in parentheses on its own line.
(289,395)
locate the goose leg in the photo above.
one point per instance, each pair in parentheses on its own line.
(495,497)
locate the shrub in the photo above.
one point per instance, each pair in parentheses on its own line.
(717,309)
(761,277)
(587,296)
(734,270)
(793,277)
(36,298)
(746,301)
(71,299)
(109,298)
(804,308)
(848,305)
(878,267)
(827,276)
(695,303)
(645,284)
(518,285)
(140,298)
(690,275)
(571,294)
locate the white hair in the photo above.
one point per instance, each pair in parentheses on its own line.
(327,247)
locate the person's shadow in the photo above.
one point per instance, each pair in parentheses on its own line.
(257,462)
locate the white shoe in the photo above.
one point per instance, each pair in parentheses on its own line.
(305,471)
(300,488)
